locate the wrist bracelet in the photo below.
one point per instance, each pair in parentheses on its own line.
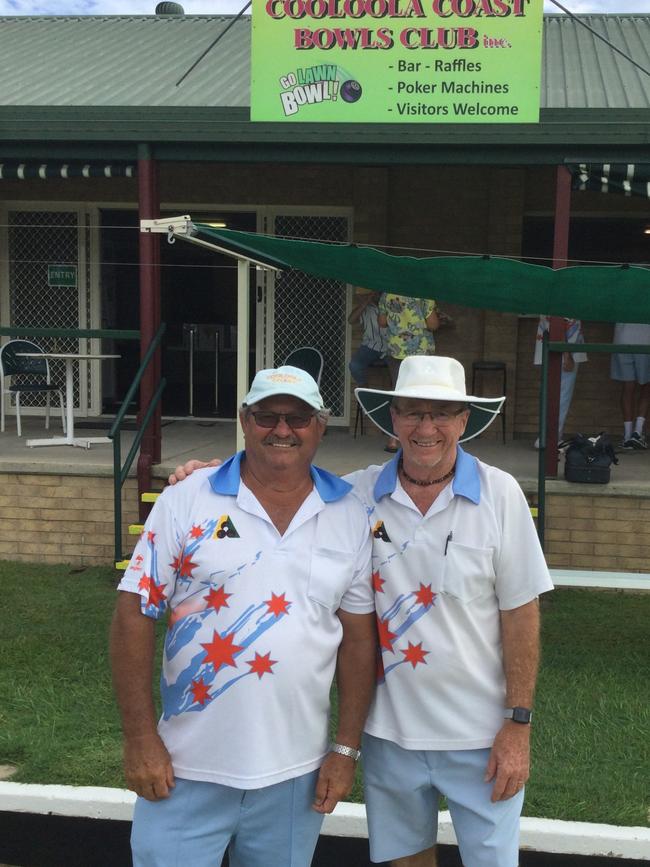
(346,751)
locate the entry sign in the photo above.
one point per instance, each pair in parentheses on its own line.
(63,276)
(396,61)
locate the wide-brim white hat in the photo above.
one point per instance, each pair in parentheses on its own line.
(430,377)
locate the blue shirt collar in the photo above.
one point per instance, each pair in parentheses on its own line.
(226,478)
(466,479)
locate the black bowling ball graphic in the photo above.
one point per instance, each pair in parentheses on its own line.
(351,91)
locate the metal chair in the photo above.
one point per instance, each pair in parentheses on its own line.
(34,376)
(307,358)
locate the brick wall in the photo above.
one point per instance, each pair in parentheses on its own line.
(62,518)
(69,519)
(598,532)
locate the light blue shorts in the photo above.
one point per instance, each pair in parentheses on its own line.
(199,821)
(630,368)
(402,790)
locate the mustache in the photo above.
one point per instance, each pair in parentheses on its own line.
(288,440)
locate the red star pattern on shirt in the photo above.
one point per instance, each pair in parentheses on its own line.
(277,604)
(386,637)
(196,532)
(415,654)
(261,664)
(136,565)
(377,582)
(217,598)
(144,583)
(200,691)
(150,536)
(425,595)
(156,593)
(186,565)
(220,651)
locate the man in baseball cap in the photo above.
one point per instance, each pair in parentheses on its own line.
(262,568)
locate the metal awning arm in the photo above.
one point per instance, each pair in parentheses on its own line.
(169,226)
(184,228)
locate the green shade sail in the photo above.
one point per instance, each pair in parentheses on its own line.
(606,293)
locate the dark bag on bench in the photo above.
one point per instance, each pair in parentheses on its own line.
(589,459)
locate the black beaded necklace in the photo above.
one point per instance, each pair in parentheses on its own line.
(426,484)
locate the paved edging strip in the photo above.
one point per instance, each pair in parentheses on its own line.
(348,820)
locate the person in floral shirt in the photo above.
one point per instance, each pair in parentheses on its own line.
(409,324)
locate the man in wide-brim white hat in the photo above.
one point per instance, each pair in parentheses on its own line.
(432,378)
(457,569)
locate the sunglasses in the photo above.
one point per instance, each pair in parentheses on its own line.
(270,420)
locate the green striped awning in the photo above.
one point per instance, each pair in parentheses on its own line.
(23,171)
(630,179)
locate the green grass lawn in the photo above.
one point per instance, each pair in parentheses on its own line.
(58,722)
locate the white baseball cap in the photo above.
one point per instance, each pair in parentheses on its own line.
(284,380)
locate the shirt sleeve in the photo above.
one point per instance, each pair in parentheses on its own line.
(521,570)
(155,562)
(359,598)
(382,304)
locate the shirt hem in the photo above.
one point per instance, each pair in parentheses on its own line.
(429,743)
(233,782)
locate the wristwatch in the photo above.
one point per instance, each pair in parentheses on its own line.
(521,715)
(346,751)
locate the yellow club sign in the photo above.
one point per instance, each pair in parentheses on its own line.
(396,61)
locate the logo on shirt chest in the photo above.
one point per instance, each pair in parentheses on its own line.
(379,532)
(225,529)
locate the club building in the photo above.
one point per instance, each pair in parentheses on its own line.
(87,104)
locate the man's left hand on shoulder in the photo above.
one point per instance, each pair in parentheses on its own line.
(335,782)
(509,762)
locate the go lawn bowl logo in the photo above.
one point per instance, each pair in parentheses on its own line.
(313,85)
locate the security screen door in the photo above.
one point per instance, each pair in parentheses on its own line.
(301,310)
(37,242)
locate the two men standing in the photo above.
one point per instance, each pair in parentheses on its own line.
(456,571)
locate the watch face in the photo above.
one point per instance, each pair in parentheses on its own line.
(521,715)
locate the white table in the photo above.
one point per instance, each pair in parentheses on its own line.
(69,439)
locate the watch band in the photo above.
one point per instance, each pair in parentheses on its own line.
(522,715)
(346,751)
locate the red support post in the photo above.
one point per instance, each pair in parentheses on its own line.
(560,259)
(149,209)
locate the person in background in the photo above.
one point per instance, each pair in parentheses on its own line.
(410,323)
(263,569)
(633,371)
(373,345)
(570,362)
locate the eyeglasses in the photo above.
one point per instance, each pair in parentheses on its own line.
(270,420)
(440,417)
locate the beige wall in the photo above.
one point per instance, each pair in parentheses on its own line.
(598,532)
(69,519)
(62,518)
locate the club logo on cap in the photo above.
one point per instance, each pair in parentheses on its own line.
(284,377)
